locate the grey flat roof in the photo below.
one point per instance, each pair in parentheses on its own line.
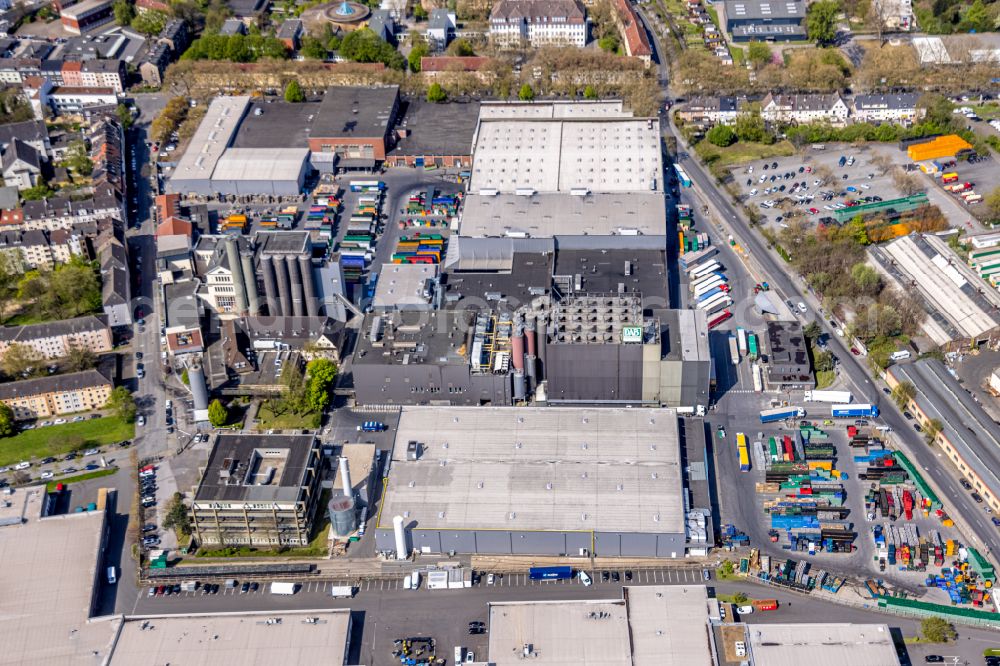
(255,164)
(821,644)
(965,302)
(48,575)
(549,215)
(510,468)
(282,242)
(238,454)
(612,108)
(218,640)
(669,625)
(557,155)
(414,338)
(437,129)
(604,270)
(526,275)
(355,111)
(400,285)
(764,10)
(211,139)
(967,426)
(279,125)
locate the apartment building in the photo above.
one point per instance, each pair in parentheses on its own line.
(57,395)
(35,249)
(62,213)
(804,108)
(897,108)
(55,339)
(539,23)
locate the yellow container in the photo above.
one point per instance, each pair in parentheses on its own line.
(948,522)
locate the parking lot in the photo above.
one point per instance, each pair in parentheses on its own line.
(816,183)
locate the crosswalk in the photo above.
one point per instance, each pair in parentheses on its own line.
(625,577)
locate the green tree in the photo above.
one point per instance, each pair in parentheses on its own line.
(38,192)
(977,18)
(124,116)
(526,94)
(436,94)
(823,361)
(758,53)
(177,516)
(740,598)
(365,46)
(726,569)
(932,429)
(821,21)
(293,92)
(149,23)
(78,158)
(937,630)
(721,135)
(185,379)
(590,92)
(312,48)
(322,374)
(8,426)
(609,43)
(79,359)
(21,360)
(218,415)
(812,330)
(462,48)
(122,404)
(993,204)
(903,393)
(750,126)
(124,12)
(418,49)
(866,278)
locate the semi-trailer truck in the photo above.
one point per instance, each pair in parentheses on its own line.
(838,397)
(710,305)
(704,269)
(781,413)
(853,411)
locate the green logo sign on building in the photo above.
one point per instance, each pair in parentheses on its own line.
(632,334)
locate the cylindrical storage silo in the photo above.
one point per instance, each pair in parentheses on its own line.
(400,533)
(517,346)
(284,290)
(250,280)
(295,280)
(529,334)
(236,268)
(199,391)
(343,516)
(308,286)
(530,366)
(345,477)
(270,287)
(542,326)
(520,385)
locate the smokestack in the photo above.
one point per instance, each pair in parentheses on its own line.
(296,281)
(239,286)
(308,286)
(270,286)
(250,281)
(345,477)
(397,528)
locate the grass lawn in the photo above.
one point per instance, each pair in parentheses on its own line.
(987,111)
(742,152)
(824,378)
(107,471)
(738,54)
(267,420)
(61,439)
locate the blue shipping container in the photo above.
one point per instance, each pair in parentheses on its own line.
(550,573)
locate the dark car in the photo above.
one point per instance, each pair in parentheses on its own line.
(934,659)
(476,631)
(965,484)
(91,467)
(46,461)
(774,165)
(177,588)
(160,590)
(605,576)
(254,587)
(628,575)
(615,576)
(996,521)
(69,456)
(908,415)
(245,588)
(149,528)
(978,498)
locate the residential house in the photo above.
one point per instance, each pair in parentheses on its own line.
(21,165)
(55,339)
(31,132)
(633,32)
(382,24)
(29,250)
(290,33)
(81,101)
(116,291)
(538,23)
(712,110)
(57,395)
(233,26)
(175,35)
(154,64)
(894,108)
(804,108)
(765,20)
(441,28)
(63,213)
(103,74)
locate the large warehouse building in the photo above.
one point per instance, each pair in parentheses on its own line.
(536,481)
(212,166)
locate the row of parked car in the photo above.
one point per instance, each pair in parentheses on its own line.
(147,491)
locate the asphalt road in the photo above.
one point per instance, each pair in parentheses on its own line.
(851,367)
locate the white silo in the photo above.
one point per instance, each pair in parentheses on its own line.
(345,477)
(397,528)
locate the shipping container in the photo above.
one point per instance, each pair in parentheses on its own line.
(721,317)
(704,269)
(734,352)
(781,413)
(550,573)
(839,397)
(717,302)
(853,411)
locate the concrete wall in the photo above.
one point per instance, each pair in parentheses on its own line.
(504,542)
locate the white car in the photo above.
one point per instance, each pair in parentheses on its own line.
(22,465)
(407,583)
(585,579)
(140,420)
(802,307)
(490,579)
(44,476)
(753,192)
(59,421)
(762,179)
(745,610)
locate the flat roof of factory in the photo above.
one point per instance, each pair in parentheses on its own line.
(821,644)
(656,625)
(602,470)
(548,215)
(261,164)
(50,568)
(609,154)
(963,304)
(256,468)
(613,108)
(408,337)
(402,285)
(290,637)
(609,270)
(212,137)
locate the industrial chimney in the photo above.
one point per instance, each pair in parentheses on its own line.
(397,528)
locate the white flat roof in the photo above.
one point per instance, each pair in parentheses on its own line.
(236,639)
(399,285)
(567,109)
(213,136)
(47,580)
(822,644)
(669,625)
(559,155)
(584,633)
(260,164)
(601,470)
(548,215)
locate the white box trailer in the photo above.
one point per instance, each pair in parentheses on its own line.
(838,397)
(342,591)
(284,588)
